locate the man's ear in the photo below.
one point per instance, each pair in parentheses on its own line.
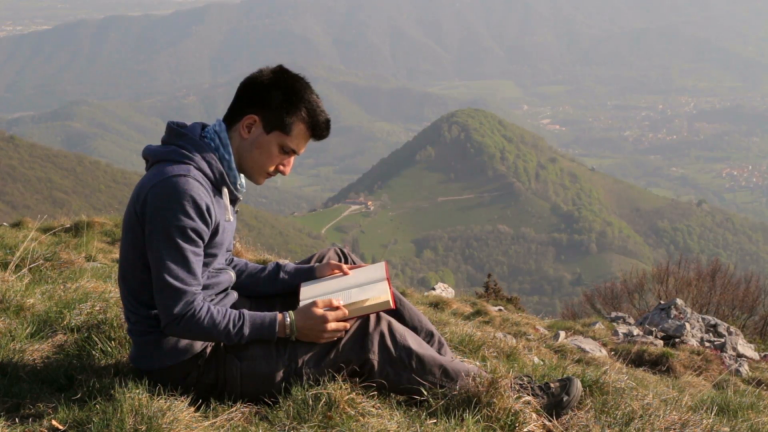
(249,125)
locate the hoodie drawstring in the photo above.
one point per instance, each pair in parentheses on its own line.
(225,195)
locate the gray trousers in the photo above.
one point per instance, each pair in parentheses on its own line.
(399,351)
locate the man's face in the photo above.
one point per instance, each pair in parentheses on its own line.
(260,156)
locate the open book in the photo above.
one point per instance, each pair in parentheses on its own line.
(367,290)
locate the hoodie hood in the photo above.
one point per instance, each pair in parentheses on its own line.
(183,144)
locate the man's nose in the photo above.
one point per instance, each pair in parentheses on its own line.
(285,167)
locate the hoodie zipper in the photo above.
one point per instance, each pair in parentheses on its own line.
(225,195)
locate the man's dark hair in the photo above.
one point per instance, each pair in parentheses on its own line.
(280,97)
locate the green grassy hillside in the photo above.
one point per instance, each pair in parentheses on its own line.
(472,193)
(64,349)
(37,181)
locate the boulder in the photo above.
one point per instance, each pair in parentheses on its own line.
(622,331)
(736,366)
(620,318)
(542,330)
(675,329)
(498,309)
(597,325)
(588,345)
(442,290)
(559,337)
(645,340)
(737,346)
(675,321)
(688,341)
(673,310)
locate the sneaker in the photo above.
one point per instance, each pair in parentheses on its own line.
(556,397)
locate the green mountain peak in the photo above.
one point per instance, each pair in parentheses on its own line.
(466,145)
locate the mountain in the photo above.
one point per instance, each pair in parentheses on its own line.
(473,194)
(39,181)
(370,119)
(587,48)
(22,16)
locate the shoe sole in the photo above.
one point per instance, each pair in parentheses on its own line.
(575,389)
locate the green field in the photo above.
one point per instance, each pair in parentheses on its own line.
(318,220)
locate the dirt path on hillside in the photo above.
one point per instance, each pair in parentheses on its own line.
(467,196)
(349,211)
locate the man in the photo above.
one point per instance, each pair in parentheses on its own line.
(206,322)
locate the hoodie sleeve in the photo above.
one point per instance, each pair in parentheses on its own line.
(272,279)
(178,221)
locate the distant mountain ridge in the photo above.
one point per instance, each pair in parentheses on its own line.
(37,181)
(370,119)
(655,45)
(473,194)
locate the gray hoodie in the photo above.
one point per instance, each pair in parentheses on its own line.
(177,275)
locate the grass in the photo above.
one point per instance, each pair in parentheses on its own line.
(63,351)
(320,219)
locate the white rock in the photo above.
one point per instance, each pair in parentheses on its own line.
(443,290)
(737,366)
(621,331)
(588,345)
(505,337)
(645,340)
(542,330)
(597,325)
(620,318)
(739,347)
(559,337)
(536,360)
(498,309)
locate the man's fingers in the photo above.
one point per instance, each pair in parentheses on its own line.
(337,326)
(328,303)
(356,266)
(339,314)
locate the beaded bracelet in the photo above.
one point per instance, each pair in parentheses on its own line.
(293,325)
(287,320)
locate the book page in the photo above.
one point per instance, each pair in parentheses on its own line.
(378,289)
(326,287)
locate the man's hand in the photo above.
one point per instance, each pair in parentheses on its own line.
(314,324)
(332,267)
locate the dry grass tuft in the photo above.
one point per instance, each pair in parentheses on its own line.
(246,252)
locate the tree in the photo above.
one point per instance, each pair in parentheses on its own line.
(492,291)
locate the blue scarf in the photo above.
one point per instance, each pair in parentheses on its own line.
(217,137)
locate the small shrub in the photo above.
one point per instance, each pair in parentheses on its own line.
(493,292)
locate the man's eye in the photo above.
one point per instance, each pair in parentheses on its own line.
(284,151)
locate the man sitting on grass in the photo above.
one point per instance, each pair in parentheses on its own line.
(206,322)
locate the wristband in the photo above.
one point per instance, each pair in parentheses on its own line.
(293,325)
(287,320)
